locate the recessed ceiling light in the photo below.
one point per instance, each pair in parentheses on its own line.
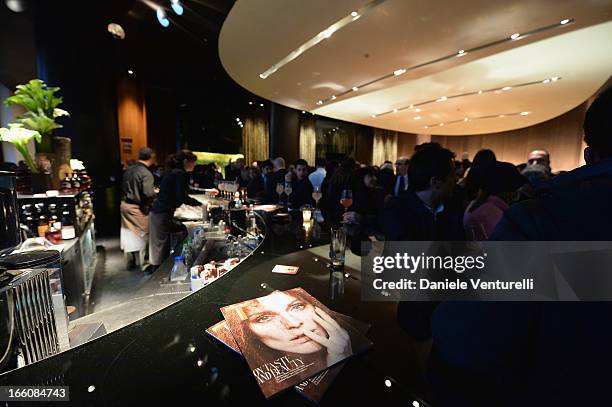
(333,97)
(441,124)
(394,110)
(417,117)
(354,14)
(466,119)
(261,105)
(410,107)
(480,92)
(525,113)
(461,53)
(303,112)
(546,81)
(373,116)
(130,72)
(555,78)
(418,110)
(442,99)
(501,115)
(399,72)
(355,88)
(425,127)
(319,102)
(237,119)
(515,36)
(250,103)
(507,88)
(565,21)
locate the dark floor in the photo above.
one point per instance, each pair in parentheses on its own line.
(122,296)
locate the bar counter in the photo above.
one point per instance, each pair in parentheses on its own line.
(168,357)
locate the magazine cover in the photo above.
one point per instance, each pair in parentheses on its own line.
(221,332)
(288,337)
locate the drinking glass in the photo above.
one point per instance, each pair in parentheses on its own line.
(288,190)
(280,188)
(316,195)
(337,247)
(346,199)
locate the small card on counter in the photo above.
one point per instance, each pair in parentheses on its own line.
(280,269)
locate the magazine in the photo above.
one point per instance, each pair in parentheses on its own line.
(288,337)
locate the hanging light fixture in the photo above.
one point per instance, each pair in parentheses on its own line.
(161,17)
(176,7)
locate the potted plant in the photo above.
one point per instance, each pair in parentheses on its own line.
(41,105)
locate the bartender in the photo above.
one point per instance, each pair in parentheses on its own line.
(164,231)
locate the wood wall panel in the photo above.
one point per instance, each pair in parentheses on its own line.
(561,136)
(131,118)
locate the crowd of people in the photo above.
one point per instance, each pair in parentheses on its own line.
(432,196)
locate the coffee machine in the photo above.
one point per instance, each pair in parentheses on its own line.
(10,235)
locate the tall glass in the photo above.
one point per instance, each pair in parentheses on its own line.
(316,195)
(337,247)
(280,188)
(288,191)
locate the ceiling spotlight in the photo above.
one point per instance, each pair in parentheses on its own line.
(161,17)
(410,107)
(319,102)
(417,117)
(525,113)
(546,81)
(399,72)
(425,127)
(461,53)
(466,119)
(501,115)
(116,31)
(555,78)
(333,97)
(261,105)
(237,119)
(515,36)
(355,88)
(130,72)
(176,6)
(418,110)
(442,99)
(250,103)
(354,14)
(373,116)
(441,124)
(303,112)
(480,92)
(565,21)
(394,110)
(507,88)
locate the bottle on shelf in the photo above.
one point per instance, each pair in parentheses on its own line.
(43,225)
(76,183)
(54,232)
(66,185)
(68,231)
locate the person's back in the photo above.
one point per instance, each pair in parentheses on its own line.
(532,353)
(137,185)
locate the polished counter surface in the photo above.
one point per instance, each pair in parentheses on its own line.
(168,357)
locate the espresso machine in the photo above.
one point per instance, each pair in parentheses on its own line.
(33,318)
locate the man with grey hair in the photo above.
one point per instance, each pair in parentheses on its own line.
(401,179)
(137,196)
(278,176)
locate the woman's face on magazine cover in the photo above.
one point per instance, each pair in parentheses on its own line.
(279,320)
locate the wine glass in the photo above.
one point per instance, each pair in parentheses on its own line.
(280,188)
(346,199)
(317,195)
(288,190)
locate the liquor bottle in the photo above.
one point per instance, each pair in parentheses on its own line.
(66,185)
(54,233)
(68,231)
(43,225)
(76,183)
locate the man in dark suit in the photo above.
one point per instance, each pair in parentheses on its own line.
(301,185)
(401,179)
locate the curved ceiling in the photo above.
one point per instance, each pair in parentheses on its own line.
(317,51)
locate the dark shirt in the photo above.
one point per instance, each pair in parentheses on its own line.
(256,188)
(533,353)
(173,192)
(137,185)
(301,193)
